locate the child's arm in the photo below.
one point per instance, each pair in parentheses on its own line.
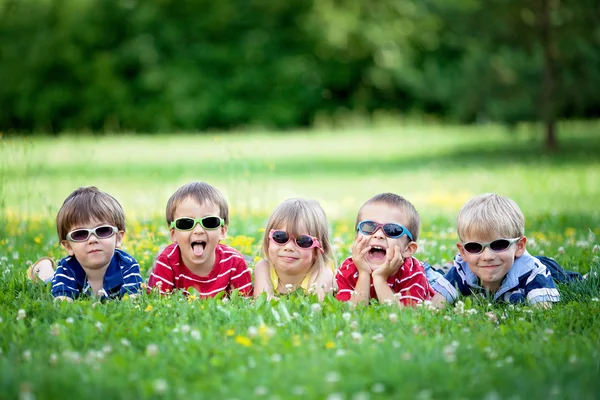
(162,276)
(262,279)
(324,283)
(132,276)
(242,278)
(362,289)
(64,285)
(382,273)
(540,288)
(439,301)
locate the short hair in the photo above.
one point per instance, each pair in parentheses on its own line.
(301,217)
(86,204)
(202,193)
(400,203)
(489,214)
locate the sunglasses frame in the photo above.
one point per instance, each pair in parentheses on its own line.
(382,227)
(315,244)
(93,231)
(198,221)
(489,245)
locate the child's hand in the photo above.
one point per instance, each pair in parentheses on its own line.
(393,262)
(359,251)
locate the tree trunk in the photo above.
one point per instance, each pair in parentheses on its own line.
(548,84)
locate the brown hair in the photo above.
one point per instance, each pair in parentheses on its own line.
(86,204)
(399,202)
(202,193)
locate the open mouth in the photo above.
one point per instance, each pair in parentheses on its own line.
(377,252)
(198,247)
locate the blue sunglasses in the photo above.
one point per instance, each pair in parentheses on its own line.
(391,230)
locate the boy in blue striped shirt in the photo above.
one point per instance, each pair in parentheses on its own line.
(91,226)
(492,258)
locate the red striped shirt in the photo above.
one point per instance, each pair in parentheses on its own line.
(409,282)
(229,272)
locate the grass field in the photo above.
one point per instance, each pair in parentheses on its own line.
(151,347)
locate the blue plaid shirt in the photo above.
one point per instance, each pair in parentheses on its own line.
(122,276)
(527,280)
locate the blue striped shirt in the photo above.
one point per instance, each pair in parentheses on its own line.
(527,280)
(122,276)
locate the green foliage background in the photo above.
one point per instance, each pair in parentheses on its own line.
(165,65)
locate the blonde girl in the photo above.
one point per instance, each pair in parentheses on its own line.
(296,251)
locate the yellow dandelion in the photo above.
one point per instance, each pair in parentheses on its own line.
(296,341)
(330,345)
(37,239)
(570,232)
(229,332)
(149,308)
(125,297)
(243,340)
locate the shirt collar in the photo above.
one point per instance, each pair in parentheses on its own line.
(112,278)
(511,280)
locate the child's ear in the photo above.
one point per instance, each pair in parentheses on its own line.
(461,250)
(521,247)
(410,249)
(172,235)
(223,232)
(120,236)
(67,247)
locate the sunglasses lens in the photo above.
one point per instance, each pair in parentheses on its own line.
(393,230)
(367,227)
(104,232)
(280,237)
(80,235)
(211,222)
(499,245)
(304,241)
(473,247)
(184,224)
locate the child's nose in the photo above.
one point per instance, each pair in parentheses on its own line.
(198,228)
(379,233)
(487,253)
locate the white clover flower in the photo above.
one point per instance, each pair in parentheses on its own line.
(447,318)
(69,320)
(395,344)
(316,308)
(107,349)
(125,342)
(340,353)
(354,325)
(53,359)
(55,329)
(548,331)
(27,355)
(561,250)
(332,377)
(160,386)
(225,300)
(393,318)
(195,334)
(276,358)
(378,388)
(339,334)
(261,391)
(378,338)
(185,329)
(335,396)
(346,316)
(252,331)
(298,390)
(594,299)
(99,326)
(356,337)
(509,360)
(595,249)
(21,314)
(289,287)
(151,350)
(573,359)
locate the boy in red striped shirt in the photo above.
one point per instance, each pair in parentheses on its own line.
(382,266)
(198,215)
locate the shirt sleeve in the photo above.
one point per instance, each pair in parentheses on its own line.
(343,279)
(63,282)
(132,276)
(453,283)
(540,286)
(414,286)
(241,278)
(162,276)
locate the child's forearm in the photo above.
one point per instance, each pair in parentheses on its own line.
(439,301)
(384,292)
(361,290)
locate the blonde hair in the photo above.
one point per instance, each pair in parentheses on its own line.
(490,214)
(302,217)
(202,193)
(86,204)
(400,203)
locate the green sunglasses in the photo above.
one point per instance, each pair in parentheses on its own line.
(187,224)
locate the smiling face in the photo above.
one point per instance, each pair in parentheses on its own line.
(93,253)
(288,258)
(197,245)
(489,266)
(379,243)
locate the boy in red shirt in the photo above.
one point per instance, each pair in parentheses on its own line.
(198,215)
(382,266)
